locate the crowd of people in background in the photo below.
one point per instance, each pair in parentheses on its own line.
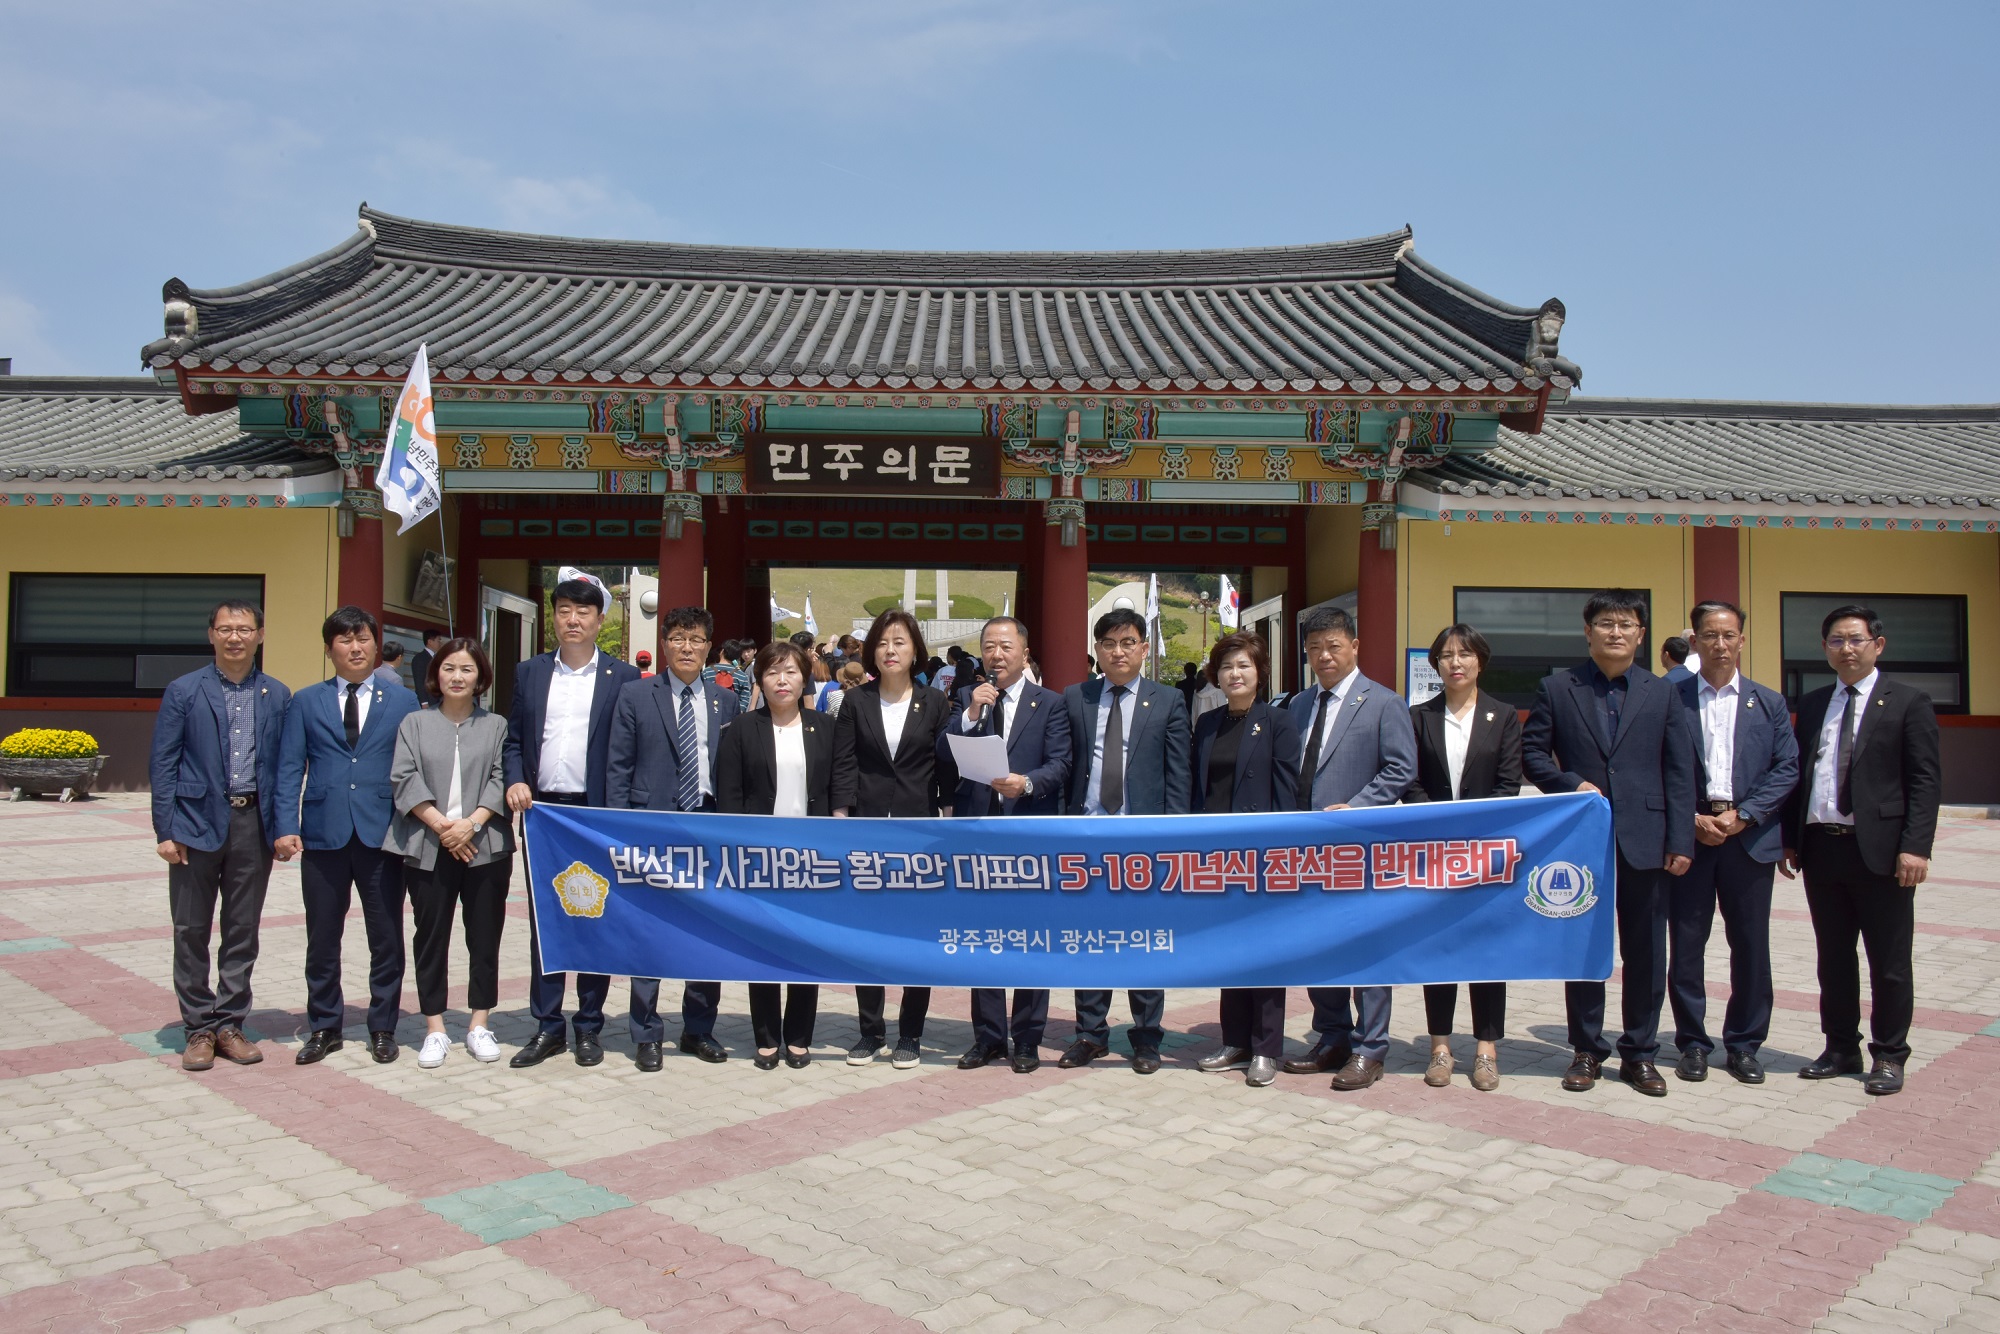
(388,794)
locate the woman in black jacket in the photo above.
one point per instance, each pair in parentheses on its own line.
(1468,746)
(1246,759)
(886,764)
(778,760)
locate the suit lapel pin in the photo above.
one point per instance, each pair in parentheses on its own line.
(1750,703)
(1255,728)
(1145,703)
(1489,717)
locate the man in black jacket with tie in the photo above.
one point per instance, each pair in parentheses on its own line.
(1860,825)
(1612,727)
(1033,723)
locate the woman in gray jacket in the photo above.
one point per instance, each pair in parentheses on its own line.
(452,832)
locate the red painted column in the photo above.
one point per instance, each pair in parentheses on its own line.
(1028,582)
(680,557)
(757,602)
(1717,575)
(1377,595)
(725,567)
(1065,599)
(360,582)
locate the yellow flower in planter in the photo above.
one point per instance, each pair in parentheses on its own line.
(49,743)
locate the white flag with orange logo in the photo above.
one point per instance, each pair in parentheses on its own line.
(408,474)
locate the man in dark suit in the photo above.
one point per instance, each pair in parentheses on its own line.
(1033,723)
(1612,727)
(664,735)
(420,667)
(558,750)
(1674,654)
(1746,764)
(214,774)
(1860,826)
(334,805)
(1129,756)
(1357,749)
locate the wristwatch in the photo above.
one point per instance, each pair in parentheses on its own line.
(1027,787)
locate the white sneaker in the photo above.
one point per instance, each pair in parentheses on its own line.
(482,1044)
(436,1047)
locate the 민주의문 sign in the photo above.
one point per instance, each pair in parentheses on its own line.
(801,463)
(1514,889)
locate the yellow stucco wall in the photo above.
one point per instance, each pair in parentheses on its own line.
(293,549)
(1333,552)
(1967,564)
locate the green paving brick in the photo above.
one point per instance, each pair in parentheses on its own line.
(32,945)
(1910,1196)
(510,1209)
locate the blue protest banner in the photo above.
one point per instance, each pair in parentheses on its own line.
(1514,889)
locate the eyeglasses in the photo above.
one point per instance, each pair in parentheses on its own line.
(1119,645)
(1616,627)
(234,632)
(1848,641)
(682,641)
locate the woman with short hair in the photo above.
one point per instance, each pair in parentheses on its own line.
(1468,746)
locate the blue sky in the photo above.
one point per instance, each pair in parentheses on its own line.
(1756,201)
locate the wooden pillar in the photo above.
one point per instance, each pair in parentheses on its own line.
(361,551)
(1377,594)
(680,557)
(465,593)
(757,602)
(1717,577)
(1065,596)
(725,567)
(1028,583)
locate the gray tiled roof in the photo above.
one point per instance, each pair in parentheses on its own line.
(1768,453)
(491,305)
(108,429)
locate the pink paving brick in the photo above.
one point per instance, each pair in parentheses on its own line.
(671,1276)
(1759,1263)
(78,1055)
(1946,1121)
(97,989)
(1923,928)
(1973,1207)
(161,1296)
(372,1131)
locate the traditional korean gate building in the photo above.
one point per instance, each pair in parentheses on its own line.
(1335,419)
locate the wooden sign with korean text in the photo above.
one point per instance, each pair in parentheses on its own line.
(803,463)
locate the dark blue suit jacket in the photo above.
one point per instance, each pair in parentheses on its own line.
(1765,765)
(346,792)
(1156,746)
(522,756)
(190,763)
(1268,756)
(1647,774)
(1038,748)
(645,765)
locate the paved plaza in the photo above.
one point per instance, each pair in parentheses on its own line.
(352,1196)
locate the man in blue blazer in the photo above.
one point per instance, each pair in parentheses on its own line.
(559,750)
(1610,726)
(1746,765)
(664,734)
(1357,749)
(214,772)
(333,809)
(1034,724)
(1129,756)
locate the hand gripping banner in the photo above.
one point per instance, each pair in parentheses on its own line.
(1516,889)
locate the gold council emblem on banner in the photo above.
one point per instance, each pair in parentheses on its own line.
(581,890)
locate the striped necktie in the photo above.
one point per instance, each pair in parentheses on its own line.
(688,798)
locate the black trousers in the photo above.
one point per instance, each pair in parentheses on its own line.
(1642,949)
(990,1027)
(1729,876)
(700,1003)
(801,1009)
(1254,1017)
(234,876)
(1149,1009)
(328,880)
(1850,902)
(1489,1008)
(480,895)
(869,1001)
(545,990)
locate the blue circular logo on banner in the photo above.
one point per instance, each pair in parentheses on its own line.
(1561,889)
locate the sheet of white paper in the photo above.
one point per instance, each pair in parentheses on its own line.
(979,758)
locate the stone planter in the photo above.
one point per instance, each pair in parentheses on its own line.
(69,777)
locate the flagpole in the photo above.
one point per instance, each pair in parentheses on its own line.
(444,549)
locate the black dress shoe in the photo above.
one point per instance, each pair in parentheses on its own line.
(1081,1052)
(382,1046)
(647,1057)
(540,1047)
(1645,1076)
(1027,1062)
(1145,1060)
(765,1060)
(798,1060)
(1692,1066)
(707,1048)
(1831,1064)
(1322,1058)
(589,1051)
(322,1041)
(1583,1073)
(1746,1067)
(980,1056)
(1886,1077)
